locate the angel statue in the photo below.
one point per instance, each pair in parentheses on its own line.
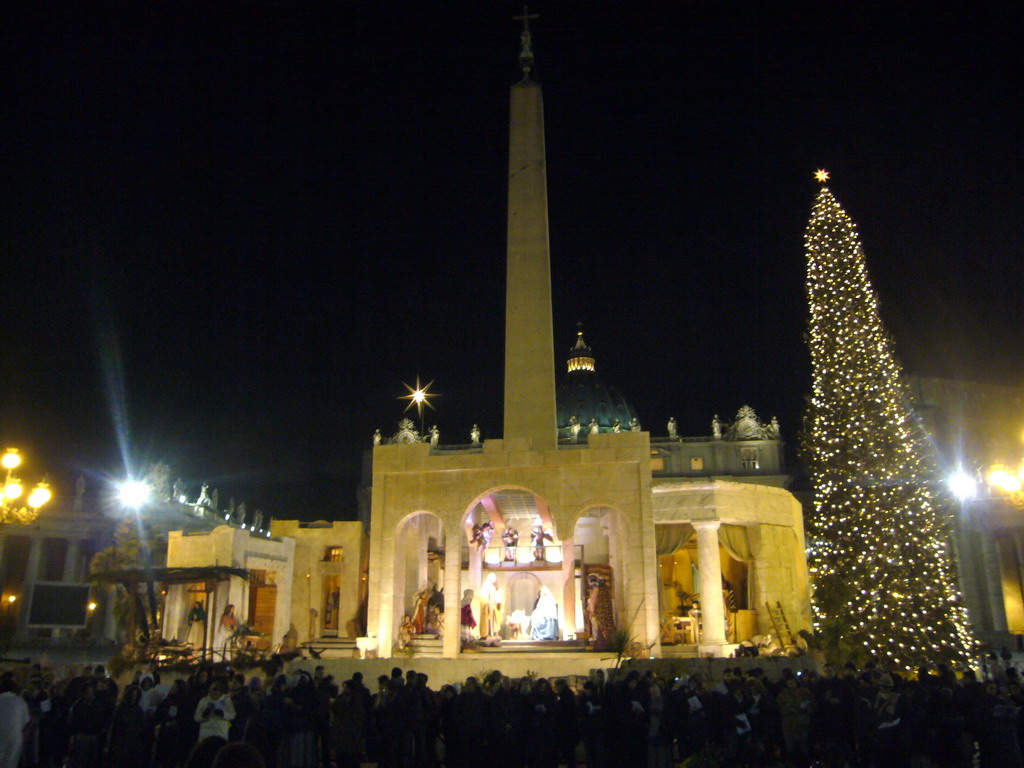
(510,538)
(538,536)
(482,534)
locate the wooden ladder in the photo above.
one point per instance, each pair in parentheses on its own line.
(778,617)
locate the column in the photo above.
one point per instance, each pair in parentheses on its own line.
(451,642)
(375,577)
(476,567)
(71,572)
(427,523)
(35,552)
(712,605)
(109,630)
(412,549)
(992,581)
(385,602)
(568,588)
(173,610)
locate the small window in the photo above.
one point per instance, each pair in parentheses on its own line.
(696,463)
(748,458)
(657,465)
(334,554)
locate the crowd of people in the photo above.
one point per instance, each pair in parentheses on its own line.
(620,719)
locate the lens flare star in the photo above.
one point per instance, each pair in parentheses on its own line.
(419,396)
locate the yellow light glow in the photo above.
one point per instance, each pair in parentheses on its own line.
(492,556)
(92,606)
(13,490)
(11,459)
(821,175)
(39,496)
(11,598)
(1003,480)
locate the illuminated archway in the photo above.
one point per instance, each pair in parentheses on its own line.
(419,562)
(507,553)
(599,544)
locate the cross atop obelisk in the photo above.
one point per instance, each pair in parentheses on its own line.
(525,53)
(529,342)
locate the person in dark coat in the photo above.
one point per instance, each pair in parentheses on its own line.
(174,724)
(53,727)
(447,712)
(268,726)
(506,727)
(245,707)
(541,726)
(997,732)
(593,725)
(565,722)
(87,723)
(629,709)
(471,713)
(347,739)
(129,744)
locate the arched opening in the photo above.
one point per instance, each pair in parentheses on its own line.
(419,572)
(681,586)
(521,593)
(512,560)
(599,542)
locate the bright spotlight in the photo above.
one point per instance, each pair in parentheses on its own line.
(963,486)
(133,493)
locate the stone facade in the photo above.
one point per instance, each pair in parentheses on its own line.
(612,473)
(297,562)
(975,426)
(56,548)
(329,558)
(235,548)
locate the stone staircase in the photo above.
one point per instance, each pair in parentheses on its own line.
(331,648)
(427,646)
(680,651)
(533,646)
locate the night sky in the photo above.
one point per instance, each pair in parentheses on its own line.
(231,231)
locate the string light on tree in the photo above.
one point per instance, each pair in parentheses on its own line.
(880,550)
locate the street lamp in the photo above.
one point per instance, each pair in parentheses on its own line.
(963,485)
(134,494)
(11,511)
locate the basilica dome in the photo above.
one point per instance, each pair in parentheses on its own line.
(582,394)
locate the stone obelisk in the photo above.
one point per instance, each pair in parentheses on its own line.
(529,342)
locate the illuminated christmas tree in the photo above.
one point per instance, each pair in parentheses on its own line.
(879,537)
